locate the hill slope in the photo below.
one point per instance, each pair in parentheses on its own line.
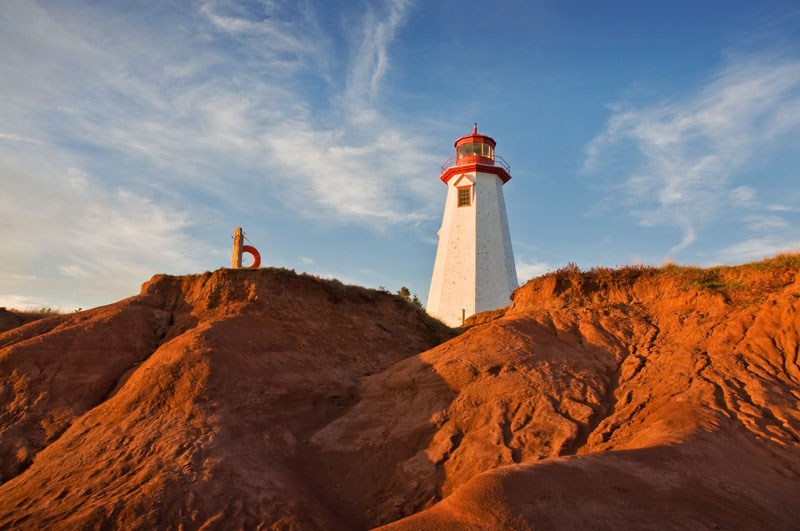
(192,403)
(629,398)
(674,393)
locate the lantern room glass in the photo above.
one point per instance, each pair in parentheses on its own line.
(475,149)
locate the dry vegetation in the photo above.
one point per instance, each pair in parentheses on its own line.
(341,291)
(484,317)
(741,285)
(12,318)
(32,315)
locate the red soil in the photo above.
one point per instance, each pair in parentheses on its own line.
(645,399)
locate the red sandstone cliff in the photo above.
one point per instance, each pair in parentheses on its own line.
(636,398)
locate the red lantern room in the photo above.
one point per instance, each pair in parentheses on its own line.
(475,153)
(475,148)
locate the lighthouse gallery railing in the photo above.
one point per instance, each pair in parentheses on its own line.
(449,163)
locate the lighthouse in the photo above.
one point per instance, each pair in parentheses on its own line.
(474,269)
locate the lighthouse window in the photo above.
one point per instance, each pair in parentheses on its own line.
(463,196)
(475,149)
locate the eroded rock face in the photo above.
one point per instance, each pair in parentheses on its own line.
(192,403)
(263,399)
(678,407)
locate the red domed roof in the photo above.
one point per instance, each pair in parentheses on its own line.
(475,137)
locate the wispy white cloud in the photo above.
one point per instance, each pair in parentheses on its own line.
(213,108)
(380,181)
(764,223)
(73,270)
(757,249)
(106,241)
(528,269)
(689,237)
(27,302)
(693,149)
(196,108)
(370,60)
(743,196)
(18,138)
(280,34)
(781,208)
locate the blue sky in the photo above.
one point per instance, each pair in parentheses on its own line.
(134,136)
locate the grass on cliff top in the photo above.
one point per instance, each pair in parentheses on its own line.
(339,291)
(745,281)
(22,317)
(484,317)
(32,315)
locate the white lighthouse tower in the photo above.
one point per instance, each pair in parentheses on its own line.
(474,269)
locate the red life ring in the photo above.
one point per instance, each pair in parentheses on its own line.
(256,256)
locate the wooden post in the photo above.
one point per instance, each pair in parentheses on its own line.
(238,243)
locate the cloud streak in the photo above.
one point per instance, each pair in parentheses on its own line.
(528,269)
(692,150)
(370,61)
(121,117)
(192,119)
(103,240)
